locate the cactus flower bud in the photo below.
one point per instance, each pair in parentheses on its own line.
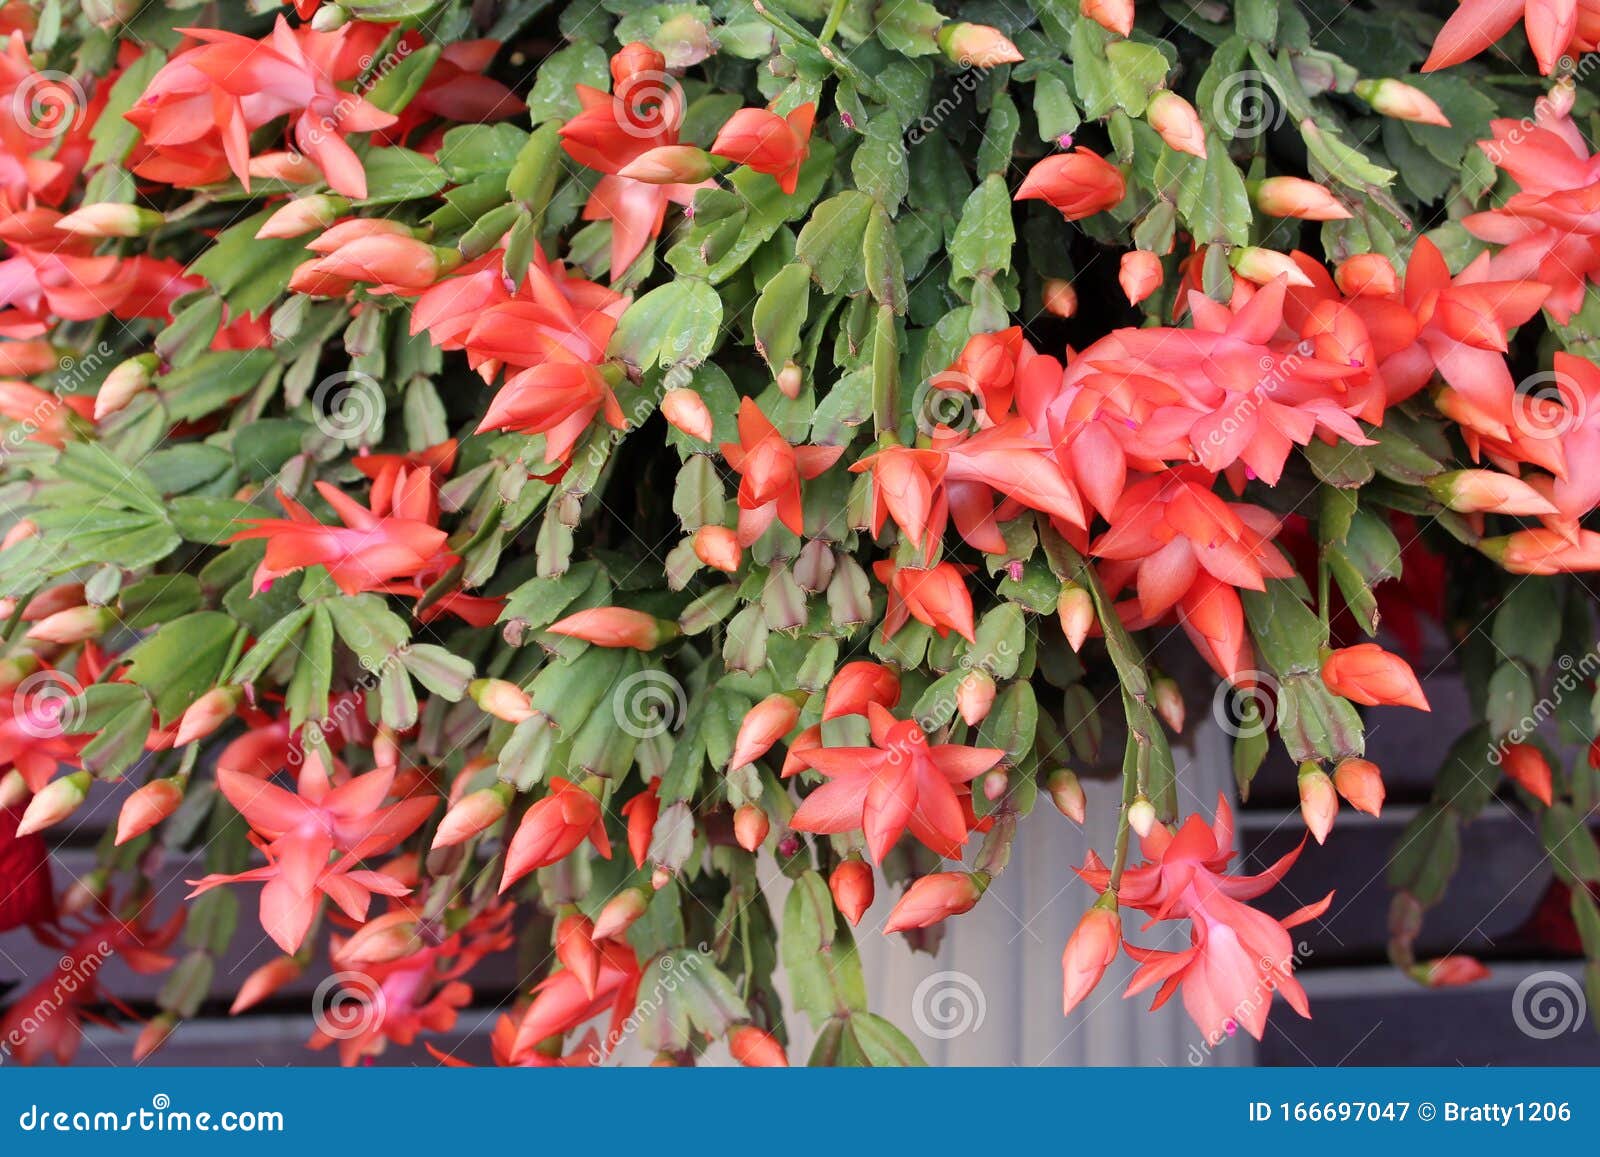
(718,547)
(853,888)
(1401,101)
(616,627)
(381,940)
(977,46)
(304,215)
(147,807)
(207,713)
(108,219)
(59,799)
(264,981)
(1526,766)
(1488,492)
(1449,971)
(975,696)
(1298,198)
(1369,274)
(1067,794)
(619,913)
(74,625)
(1139,275)
(473,813)
(124,383)
(153,1035)
(670,165)
(1319,803)
(763,725)
(686,412)
(1176,123)
(1059,297)
(502,699)
(1142,815)
(1075,609)
(1112,15)
(1169,702)
(936,897)
(1264,266)
(1361,784)
(1090,949)
(756,1048)
(750,827)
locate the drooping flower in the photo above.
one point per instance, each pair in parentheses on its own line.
(553,828)
(936,596)
(901,782)
(313,839)
(934,898)
(1238,957)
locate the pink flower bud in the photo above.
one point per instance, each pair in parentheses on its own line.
(1450,971)
(1090,949)
(1401,101)
(1067,794)
(59,799)
(1263,266)
(147,807)
(1361,784)
(382,940)
(304,215)
(1524,764)
(1075,609)
(853,888)
(995,783)
(1319,803)
(1488,492)
(686,411)
(20,531)
(935,897)
(975,696)
(1112,15)
(616,627)
(750,827)
(756,1048)
(790,380)
(718,547)
(74,625)
(1169,702)
(1299,198)
(763,725)
(502,699)
(620,913)
(153,1035)
(1142,815)
(670,165)
(207,713)
(123,384)
(1176,123)
(1140,275)
(111,220)
(473,813)
(1059,297)
(977,46)
(1368,274)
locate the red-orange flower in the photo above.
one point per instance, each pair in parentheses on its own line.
(768,143)
(771,471)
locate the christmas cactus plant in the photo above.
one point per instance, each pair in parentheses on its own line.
(502,477)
